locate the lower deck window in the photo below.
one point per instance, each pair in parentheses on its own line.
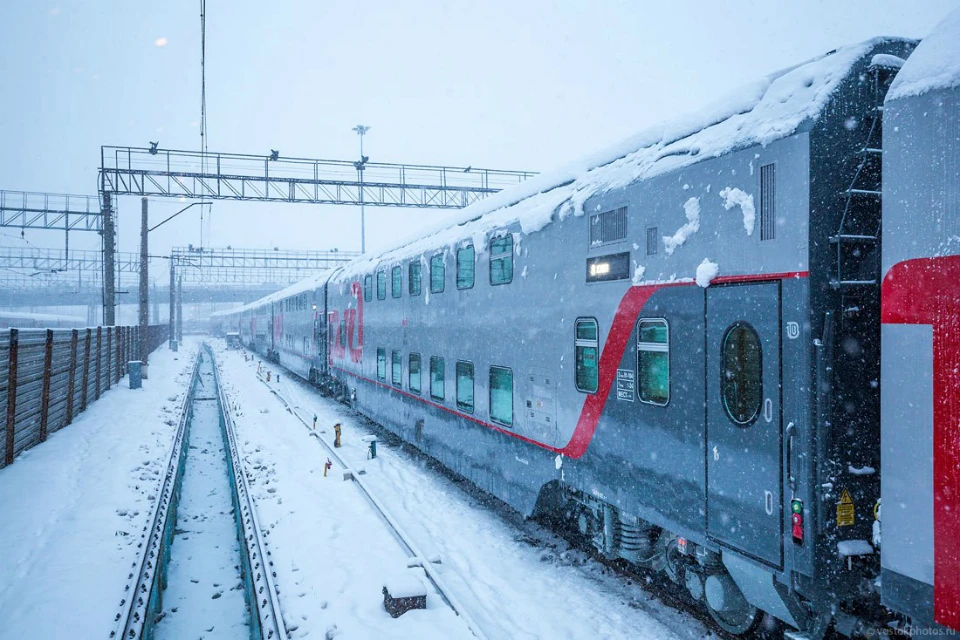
(414,372)
(501,395)
(465,386)
(586,348)
(436,378)
(381,363)
(396,369)
(653,361)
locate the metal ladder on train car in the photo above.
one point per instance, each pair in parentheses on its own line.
(859,228)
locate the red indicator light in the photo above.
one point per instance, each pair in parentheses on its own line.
(797,520)
(682,545)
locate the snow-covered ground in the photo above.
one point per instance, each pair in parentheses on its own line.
(333,554)
(204,597)
(73,508)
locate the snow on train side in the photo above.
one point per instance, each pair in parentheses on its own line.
(921,334)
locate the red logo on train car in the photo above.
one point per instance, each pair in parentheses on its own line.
(348,334)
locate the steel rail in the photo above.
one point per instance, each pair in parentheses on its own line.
(142,596)
(403,538)
(259,565)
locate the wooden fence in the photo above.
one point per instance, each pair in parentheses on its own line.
(48,376)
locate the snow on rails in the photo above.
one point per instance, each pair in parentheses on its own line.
(142,610)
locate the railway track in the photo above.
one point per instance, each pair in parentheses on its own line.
(141,608)
(406,542)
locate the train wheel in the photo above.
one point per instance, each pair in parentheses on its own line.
(728,608)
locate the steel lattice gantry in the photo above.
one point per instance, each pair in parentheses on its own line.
(240,275)
(217,267)
(50,261)
(191,174)
(28,210)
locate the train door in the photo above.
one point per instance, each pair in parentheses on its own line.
(743,419)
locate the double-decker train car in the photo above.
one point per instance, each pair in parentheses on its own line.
(670,349)
(287,327)
(921,334)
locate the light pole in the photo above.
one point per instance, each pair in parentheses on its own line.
(361,130)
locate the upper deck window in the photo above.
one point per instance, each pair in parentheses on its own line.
(466,269)
(437,273)
(501,260)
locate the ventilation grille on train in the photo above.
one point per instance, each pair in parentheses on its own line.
(768,202)
(609,226)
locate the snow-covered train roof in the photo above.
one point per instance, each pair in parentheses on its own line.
(41,317)
(307,284)
(934,64)
(762,112)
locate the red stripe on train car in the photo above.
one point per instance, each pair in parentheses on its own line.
(927,291)
(614,347)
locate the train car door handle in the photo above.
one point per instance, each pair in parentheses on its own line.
(768,502)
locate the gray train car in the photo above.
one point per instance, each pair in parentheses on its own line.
(287,327)
(920,551)
(672,348)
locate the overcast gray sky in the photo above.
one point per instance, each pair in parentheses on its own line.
(513,85)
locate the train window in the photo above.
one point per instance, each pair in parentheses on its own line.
(381,285)
(501,260)
(465,386)
(436,378)
(396,369)
(741,369)
(653,361)
(586,347)
(413,278)
(367,288)
(653,241)
(501,395)
(413,370)
(465,267)
(343,333)
(381,363)
(437,273)
(396,282)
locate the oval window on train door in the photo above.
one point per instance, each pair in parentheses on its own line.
(741,369)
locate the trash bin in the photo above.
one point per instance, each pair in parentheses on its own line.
(371,446)
(135,370)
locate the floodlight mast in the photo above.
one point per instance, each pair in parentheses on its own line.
(361,130)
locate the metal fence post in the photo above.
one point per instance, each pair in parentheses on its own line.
(45,394)
(96,395)
(86,371)
(72,376)
(118,339)
(109,377)
(12,394)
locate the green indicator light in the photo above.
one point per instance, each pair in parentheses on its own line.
(797,506)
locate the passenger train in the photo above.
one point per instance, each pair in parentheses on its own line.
(673,349)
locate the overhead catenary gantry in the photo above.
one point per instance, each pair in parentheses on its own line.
(59,211)
(141,171)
